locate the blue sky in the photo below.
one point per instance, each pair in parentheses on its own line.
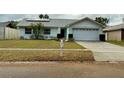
(114,18)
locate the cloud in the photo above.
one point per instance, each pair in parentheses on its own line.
(66,16)
(8,17)
(114,18)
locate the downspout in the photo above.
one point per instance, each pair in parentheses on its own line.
(4,32)
(67,34)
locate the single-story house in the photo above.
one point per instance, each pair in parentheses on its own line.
(114,32)
(80,29)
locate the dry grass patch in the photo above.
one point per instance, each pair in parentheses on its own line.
(45,55)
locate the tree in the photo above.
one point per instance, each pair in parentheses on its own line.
(44,16)
(37,30)
(102,20)
(41,16)
(12,24)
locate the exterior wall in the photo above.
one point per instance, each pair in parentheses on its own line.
(53,33)
(22,33)
(1,32)
(114,35)
(11,33)
(86,24)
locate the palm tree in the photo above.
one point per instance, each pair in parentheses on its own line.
(46,16)
(41,16)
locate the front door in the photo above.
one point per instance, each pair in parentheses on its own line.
(62,33)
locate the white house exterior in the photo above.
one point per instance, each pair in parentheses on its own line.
(83,29)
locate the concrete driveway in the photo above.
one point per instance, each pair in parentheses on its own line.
(104,51)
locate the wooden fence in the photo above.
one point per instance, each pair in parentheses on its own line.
(9,33)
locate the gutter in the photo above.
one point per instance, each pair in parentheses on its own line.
(112,30)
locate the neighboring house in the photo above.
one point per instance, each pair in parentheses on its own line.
(8,33)
(3,25)
(115,32)
(83,29)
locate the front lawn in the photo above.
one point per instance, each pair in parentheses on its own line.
(43,44)
(27,55)
(120,43)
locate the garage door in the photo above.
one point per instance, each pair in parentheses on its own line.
(80,34)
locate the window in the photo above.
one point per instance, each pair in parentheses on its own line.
(28,31)
(47,31)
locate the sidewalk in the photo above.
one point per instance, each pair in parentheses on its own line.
(104,51)
(43,49)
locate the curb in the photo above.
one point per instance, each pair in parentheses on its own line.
(60,62)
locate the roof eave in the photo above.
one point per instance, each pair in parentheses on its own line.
(103,26)
(109,30)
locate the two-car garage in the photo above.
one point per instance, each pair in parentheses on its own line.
(88,34)
(86,29)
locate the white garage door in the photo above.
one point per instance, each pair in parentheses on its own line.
(83,34)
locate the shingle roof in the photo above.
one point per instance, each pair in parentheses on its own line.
(116,27)
(54,22)
(51,23)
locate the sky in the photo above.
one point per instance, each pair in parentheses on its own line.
(114,18)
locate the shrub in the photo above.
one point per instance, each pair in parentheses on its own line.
(22,38)
(32,36)
(37,30)
(41,37)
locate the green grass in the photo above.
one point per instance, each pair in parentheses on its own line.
(43,44)
(41,55)
(120,43)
